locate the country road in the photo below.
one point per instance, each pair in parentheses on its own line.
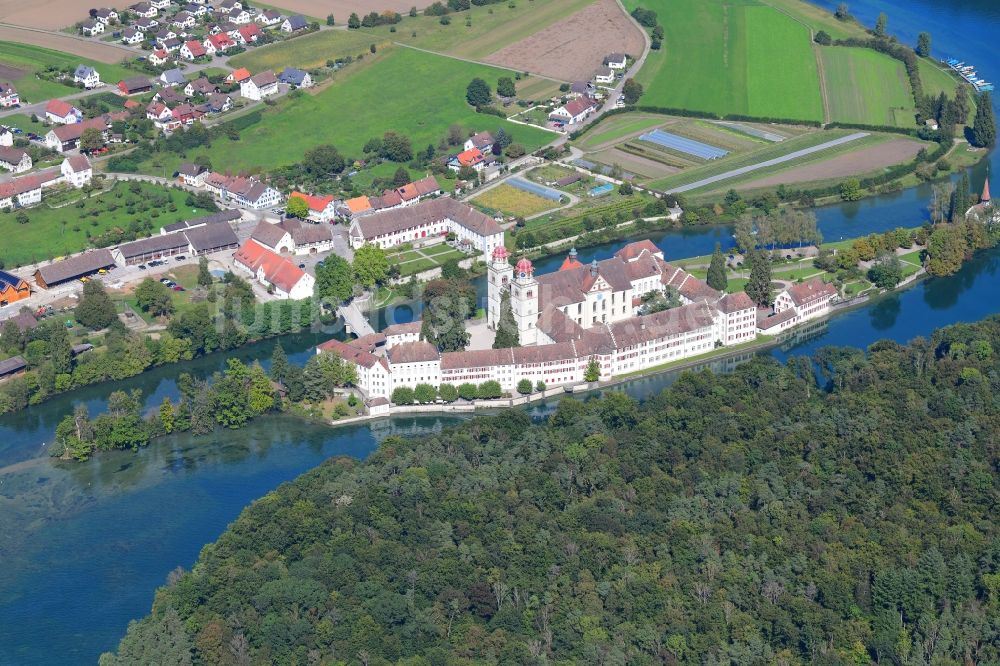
(763,165)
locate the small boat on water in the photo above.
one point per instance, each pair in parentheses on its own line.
(968,72)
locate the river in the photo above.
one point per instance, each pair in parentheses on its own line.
(84,546)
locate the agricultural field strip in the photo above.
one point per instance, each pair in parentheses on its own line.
(761,165)
(683,144)
(616,134)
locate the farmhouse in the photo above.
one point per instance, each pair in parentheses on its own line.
(191,174)
(8,96)
(12,288)
(427,220)
(77,170)
(604,75)
(73,268)
(91,28)
(481,141)
(14,159)
(193,49)
(277,273)
(293,23)
(244,192)
(135,85)
(259,86)
(573,111)
(86,75)
(64,113)
(292,236)
(321,208)
(296,77)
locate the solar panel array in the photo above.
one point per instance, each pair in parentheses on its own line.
(535,188)
(684,145)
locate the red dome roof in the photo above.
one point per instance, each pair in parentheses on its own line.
(524,266)
(499,252)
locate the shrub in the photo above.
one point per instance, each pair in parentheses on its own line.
(489,390)
(539,386)
(468,392)
(448,392)
(403,396)
(524,386)
(425,393)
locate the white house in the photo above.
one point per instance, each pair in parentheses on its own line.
(87,75)
(808,300)
(160,4)
(158,58)
(15,160)
(259,86)
(133,36)
(291,236)
(106,15)
(604,75)
(91,27)
(573,111)
(144,10)
(183,20)
(268,18)
(8,96)
(616,61)
(6,137)
(63,113)
(76,170)
(192,50)
(293,23)
(244,192)
(321,208)
(279,274)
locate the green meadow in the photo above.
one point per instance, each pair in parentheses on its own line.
(32,59)
(402,90)
(867,87)
(306,52)
(738,57)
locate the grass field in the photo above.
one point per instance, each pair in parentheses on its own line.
(873,88)
(31,59)
(307,52)
(414,93)
(512,201)
(493,27)
(616,127)
(412,261)
(51,232)
(710,48)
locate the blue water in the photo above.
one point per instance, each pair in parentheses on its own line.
(83,547)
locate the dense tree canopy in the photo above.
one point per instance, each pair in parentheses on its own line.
(769,516)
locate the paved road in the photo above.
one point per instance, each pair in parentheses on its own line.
(763,165)
(356,320)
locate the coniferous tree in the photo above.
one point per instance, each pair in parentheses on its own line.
(204,275)
(759,285)
(923,44)
(960,199)
(717,270)
(506,325)
(279,363)
(984,128)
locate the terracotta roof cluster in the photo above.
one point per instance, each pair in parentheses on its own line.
(358,205)
(250,189)
(277,270)
(427,212)
(316,203)
(74,131)
(413,352)
(688,285)
(809,292)
(731,303)
(33,181)
(349,353)
(668,323)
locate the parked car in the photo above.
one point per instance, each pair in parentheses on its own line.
(142,267)
(177,287)
(180,257)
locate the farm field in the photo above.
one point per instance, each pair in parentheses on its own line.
(307,52)
(493,27)
(618,127)
(871,88)
(427,96)
(51,232)
(513,201)
(713,46)
(573,47)
(91,49)
(20,62)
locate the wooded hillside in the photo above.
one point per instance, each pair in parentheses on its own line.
(751,519)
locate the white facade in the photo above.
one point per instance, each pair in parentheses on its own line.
(80,175)
(88,76)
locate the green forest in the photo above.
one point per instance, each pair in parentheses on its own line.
(838,509)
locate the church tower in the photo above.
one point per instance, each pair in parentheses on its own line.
(524,302)
(501,274)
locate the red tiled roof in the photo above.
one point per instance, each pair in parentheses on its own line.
(634,250)
(413,352)
(409,328)
(316,203)
(241,74)
(470,157)
(278,270)
(349,353)
(811,291)
(735,302)
(59,108)
(196,49)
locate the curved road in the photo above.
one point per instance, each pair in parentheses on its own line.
(763,165)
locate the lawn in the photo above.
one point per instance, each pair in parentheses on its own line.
(51,232)
(31,59)
(414,93)
(307,52)
(711,49)
(867,87)
(512,201)
(493,27)
(616,127)
(412,261)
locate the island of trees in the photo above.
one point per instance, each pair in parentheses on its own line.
(838,509)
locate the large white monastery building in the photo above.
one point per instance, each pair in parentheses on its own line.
(579,314)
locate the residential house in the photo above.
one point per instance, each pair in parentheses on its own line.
(77,170)
(427,220)
(219,43)
(192,50)
(66,137)
(185,114)
(91,28)
(321,208)
(171,45)
(238,75)
(244,192)
(13,289)
(229,5)
(160,4)
(412,193)
(259,86)
(164,34)
(9,96)
(144,10)
(807,300)
(293,23)
(135,85)
(358,206)
(200,86)
(573,111)
(146,24)
(63,113)
(106,15)
(239,17)
(6,137)
(170,96)
(249,33)
(218,103)
(158,57)
(15,160)
(616,61)
(482,140)
(269,17)
(192,175)
(604,75)
(296,77)
(183,21)
(133,36)
(196,10)
(173,77)
(279,274)
(86,75)
(474,159)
